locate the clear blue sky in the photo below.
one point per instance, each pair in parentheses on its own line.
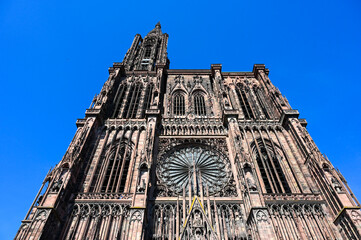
(54,57)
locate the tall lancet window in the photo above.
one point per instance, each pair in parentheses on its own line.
(132,104)
(147,53)
(178,104)
(147,98)
(245,105)
(199,104)
(120,99)
(112,169)
(269,163)
(146,58)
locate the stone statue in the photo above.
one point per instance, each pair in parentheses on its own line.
(141,187)
(57,185)
(251,184)
(336,185)
(197,220)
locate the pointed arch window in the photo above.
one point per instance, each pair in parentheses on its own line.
(112,171)
(178,104)
(132,103)
(199,104)
(120,99)
(147,52)
(269,163)
(147,98)
(246,107)
(262,101)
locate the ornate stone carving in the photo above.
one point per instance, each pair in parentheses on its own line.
(42,215)
(356,216)
(271,198)
(94,196)
(155,138)
(57,185)
(99,209)
(336,185)
(261,216)
(137,216)
(185,165)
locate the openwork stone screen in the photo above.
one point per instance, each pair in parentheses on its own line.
(191,168)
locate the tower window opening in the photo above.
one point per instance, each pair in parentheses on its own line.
(127,102)
(133,102)
(120,100)
(261,102)
(144,64)
(124,174)
(147,99)
(116,170)
(147,53)
(246,108)
(271,171)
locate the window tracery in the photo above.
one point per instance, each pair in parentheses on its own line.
(119,103)
(262,102)
(112,170)
(243,100)
(132,102)
(178,104)
(99,216)
(196,169)
(147,98)
(199,104)
(164,220)
(147,52)
(303,220)
(269,164)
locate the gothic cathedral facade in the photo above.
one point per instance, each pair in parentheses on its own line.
(191,154)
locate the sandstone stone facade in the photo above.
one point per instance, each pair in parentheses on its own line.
(191,154)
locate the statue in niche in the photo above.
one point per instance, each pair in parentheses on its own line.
(197,220)
(40,199)
(337,186)
(156,98)
(57,185)
(141,187)
(198,234)
(197,225)
(250,179)
(142,179)
(252,186)
(237,218)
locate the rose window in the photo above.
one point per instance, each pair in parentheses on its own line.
(193,167)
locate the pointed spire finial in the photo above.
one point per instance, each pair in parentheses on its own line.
(156,31)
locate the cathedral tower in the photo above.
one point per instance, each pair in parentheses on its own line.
(190,154)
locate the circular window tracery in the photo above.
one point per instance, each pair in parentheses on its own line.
(193,167)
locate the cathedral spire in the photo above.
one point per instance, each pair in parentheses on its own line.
(156,31)
(145,53)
